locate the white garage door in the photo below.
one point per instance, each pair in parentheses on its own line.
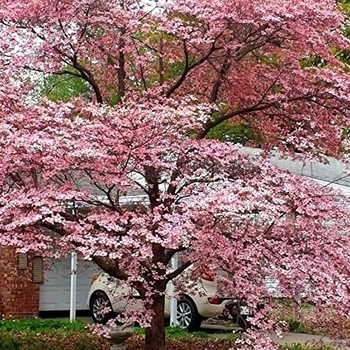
(55,291)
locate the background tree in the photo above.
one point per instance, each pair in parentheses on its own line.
(161,78)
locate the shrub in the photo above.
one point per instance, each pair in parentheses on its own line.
(299,327)
(54,339)
(137,342)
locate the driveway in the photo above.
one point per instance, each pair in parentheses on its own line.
(289,338)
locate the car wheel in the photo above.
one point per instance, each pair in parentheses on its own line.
(243,323)
(99,302)
(187,316)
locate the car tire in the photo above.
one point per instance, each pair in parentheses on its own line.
(243,323)
(187,316)
(100,300)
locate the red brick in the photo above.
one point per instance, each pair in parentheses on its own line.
(19,296)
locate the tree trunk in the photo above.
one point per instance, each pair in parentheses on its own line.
(155,335)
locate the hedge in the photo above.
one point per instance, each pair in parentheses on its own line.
(38,334)
(58,339)
(138,343)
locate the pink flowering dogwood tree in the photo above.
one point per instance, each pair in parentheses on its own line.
(161,78)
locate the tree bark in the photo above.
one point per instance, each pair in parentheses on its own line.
(155,335)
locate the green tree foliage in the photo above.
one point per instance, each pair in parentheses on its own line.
(64,88)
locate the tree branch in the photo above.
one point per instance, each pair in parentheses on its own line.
(259,106)
(190,66)
(171,275)
(223,71)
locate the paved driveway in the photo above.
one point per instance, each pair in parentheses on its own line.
(294,338)
(289,338)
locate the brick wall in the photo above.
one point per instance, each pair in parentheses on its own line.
(19,296)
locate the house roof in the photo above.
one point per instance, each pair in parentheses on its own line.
(332,172)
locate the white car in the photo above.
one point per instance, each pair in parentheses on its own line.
(202,303)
